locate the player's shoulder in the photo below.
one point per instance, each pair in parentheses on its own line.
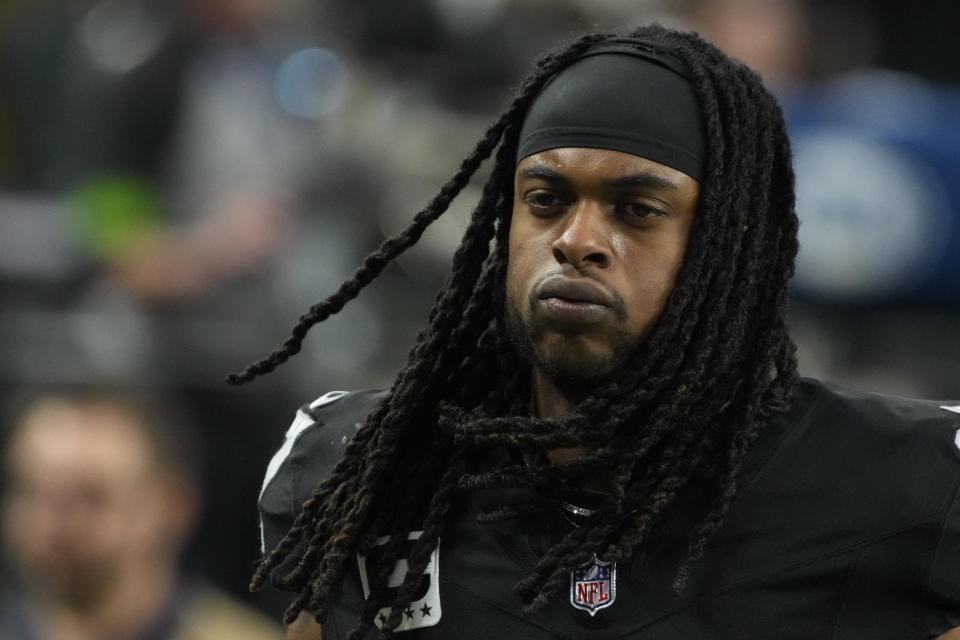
(882,414)
(335,406)
(312,446)
(333,418)
(905,448)
(320,432)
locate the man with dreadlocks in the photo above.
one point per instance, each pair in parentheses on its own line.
(601,432)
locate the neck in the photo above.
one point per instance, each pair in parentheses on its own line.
(550,403)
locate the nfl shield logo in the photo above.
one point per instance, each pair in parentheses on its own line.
(593,586)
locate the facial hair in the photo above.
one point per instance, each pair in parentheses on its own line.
(571,377)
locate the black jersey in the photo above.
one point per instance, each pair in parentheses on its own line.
(846,525)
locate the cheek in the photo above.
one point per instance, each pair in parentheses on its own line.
(651,278)
(514,282)
(529,259)
(518,267)
(666,263)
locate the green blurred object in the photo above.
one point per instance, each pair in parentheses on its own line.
(112,214)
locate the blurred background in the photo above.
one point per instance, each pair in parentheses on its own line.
(180,179)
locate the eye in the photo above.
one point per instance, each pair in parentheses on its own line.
(638,211)
(544,202)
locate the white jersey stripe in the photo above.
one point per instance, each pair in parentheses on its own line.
(300,424)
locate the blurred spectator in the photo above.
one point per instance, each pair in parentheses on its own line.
(878,184)
(158,183)
(164,216)
(100,499)
(190,183)
(769,35)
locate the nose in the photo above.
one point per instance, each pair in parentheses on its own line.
(584,240)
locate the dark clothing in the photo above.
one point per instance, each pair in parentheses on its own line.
(846,525)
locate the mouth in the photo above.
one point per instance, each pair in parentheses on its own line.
(573,301)
(574,291)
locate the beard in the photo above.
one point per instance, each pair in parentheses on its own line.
(573,374)
(80,584)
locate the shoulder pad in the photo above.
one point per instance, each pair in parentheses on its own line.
(328,398)
(956,435)
(311,448)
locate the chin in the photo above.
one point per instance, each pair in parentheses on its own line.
(78,585)
(568,361)
(575,371)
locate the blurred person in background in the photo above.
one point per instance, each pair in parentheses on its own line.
(151,186)
(100,498)
(191,182)
(170,169)
(875,129)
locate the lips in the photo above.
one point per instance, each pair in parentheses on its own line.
(579,290)
(573,302)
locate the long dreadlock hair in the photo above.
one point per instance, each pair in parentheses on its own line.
(716,366)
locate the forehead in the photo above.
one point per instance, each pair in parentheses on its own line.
(603,164)
(61,440)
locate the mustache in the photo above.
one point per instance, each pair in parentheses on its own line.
(560,283)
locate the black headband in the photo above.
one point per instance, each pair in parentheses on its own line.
(622,94)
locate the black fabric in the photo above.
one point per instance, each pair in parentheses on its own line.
(846,526)
(314,454)
(622,95)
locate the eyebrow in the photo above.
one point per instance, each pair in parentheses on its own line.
(644,179)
